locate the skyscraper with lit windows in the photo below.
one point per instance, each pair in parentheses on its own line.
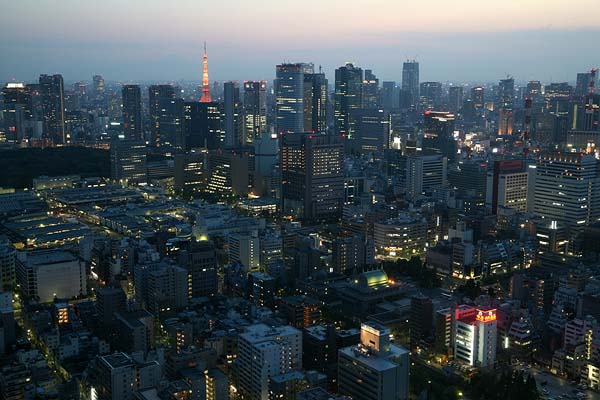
(132,111)
(348,97)
(52,94)
(409,96)
(289,96)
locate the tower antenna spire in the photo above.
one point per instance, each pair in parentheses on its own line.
(205,83)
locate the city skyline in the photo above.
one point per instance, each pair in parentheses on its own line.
(465,44)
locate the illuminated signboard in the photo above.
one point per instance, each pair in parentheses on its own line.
(486,316)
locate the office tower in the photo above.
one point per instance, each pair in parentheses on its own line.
(420,320)
(289,96)
(507,184)
(584,81)
(475,335)
(477,95)
(469,178)
(261,289)
(229,171)
(157,96)
(116,379)
(200,260)
(202,126)
(168,289)
(455,98)
(132,112)
(409,97)
(430,95)
(8,257)
(506,95)
(370,90)
(99,85)
(232,110)
(533,91)
(109,300)
(52,94)
(128,160)
(171,123)
(312,175)
(372,130)
(245,249)
(424,173)
(402,237)
(266,151)
(206,98)
(347,98)
(438,134)
(190,173)
(135,331)
(271,248)
(352,254)
(255,110)
(315,102)
(48,274)
(567,189)
(389,100)
(375,368)
(264,352)
(17,112)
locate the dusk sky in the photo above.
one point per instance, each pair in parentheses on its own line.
(152,40)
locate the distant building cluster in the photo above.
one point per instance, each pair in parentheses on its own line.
(302,239)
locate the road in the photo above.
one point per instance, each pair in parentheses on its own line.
(559,388)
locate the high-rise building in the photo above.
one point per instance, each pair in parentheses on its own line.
(8,257)
(424,173)
(477,95)
(389,96)
(190,173)
(168,289)
(507,186)
(430,95)
(289,96)
(347,98)
(370,90)
(202,125)
(99,85)
(255,110)
(261,289)
(420,320)
(200,260)
(109,300)
(232,110)
(315,102)
(312,175)
(157,96)
(582,86)
(375,368)
(132,112)
(567,189)
(245,249)
(52,94)
(264,352)
(171,123)
(116,378)
(128,160)
(475,336)
(506,95)
(17,112)
(372,130)
(51,273)
(409,96)
(229,171)
(438,134)
(455,98)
